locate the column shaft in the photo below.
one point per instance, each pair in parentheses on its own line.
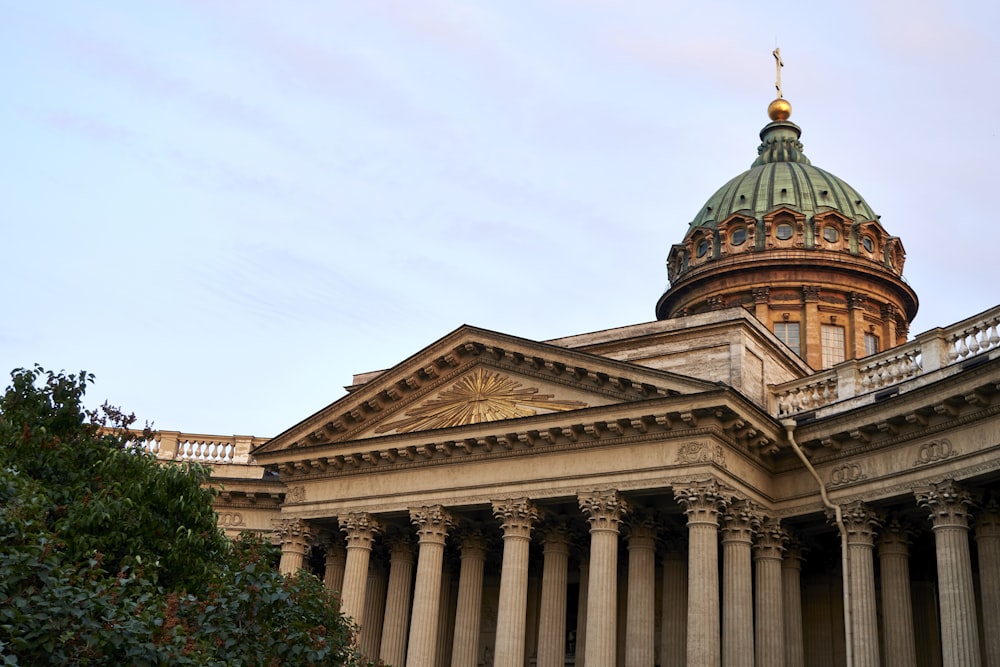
(988,548)
(737,586)
(360,529)
(702,503)
(371,628)
(861,524)
(552,615)
(770,637)
(673,629)
(397,608)
(948,504)
(432,530)
(517,517)
(580,657)
(604,511)
(465,645)
(791,586)
(639,629)
(295,537)
(333,574)
(897,605)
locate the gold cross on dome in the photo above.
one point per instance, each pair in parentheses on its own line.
(778,64)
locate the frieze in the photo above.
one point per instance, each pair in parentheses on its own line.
(230,519)
(935,450)
(847,473)
(700,452)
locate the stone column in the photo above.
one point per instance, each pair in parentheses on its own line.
(432,530)
(702,503)
(397,607)
(552,616)
(446,617)
(465,644)
(333,573)
(604,510)
(580,658)
(770,637)
(988,543)
(517,517)
(295,537)
(738,525)
(948,505)
(861,524)
(673,628)
(360,529)
(371,628)
(640,636)
(897,605)
(791,586)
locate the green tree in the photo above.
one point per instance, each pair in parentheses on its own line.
(109,558)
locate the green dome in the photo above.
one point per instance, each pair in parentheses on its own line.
(782,176)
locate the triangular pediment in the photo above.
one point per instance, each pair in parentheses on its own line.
(475,376)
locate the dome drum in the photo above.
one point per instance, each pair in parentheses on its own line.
(782,225)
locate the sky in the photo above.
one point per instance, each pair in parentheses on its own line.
(225,210)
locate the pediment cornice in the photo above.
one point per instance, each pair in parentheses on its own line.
(521,363)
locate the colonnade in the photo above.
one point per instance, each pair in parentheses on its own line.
(750,613)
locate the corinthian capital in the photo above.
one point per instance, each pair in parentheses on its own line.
(516,516)
(433,522)
(294,533)
(702,501)
(605,509)
(947,502)
(861,522)
(360,529)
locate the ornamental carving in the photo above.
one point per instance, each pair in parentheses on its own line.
(293,532)
(702,501)
(605,509)
(847,474)
(230,519)
(480,396)
(861,522)
(771,540)
(700,452)
(739,522)
(432,522)
(936,450)
(516,516)
(296,494)
(360,529)
(947,502)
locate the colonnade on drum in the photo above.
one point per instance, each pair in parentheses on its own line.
(728,578)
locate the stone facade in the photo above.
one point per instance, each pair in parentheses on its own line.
(682,492)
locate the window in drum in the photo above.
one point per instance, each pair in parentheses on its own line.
(830,234)
(832,341)
(871,344)
(783,231)
(702,248)
(788,333)
(739,236)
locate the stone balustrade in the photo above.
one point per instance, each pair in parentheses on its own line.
(932,351)
(209,449)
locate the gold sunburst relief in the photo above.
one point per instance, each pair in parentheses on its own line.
(481,396)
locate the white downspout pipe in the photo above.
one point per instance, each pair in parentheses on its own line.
(789,425)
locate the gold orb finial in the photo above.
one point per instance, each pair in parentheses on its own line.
(779,109)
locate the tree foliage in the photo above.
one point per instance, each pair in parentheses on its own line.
(109,558)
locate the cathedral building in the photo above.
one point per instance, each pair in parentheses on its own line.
(772,473)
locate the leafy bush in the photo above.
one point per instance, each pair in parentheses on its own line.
(109,558)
